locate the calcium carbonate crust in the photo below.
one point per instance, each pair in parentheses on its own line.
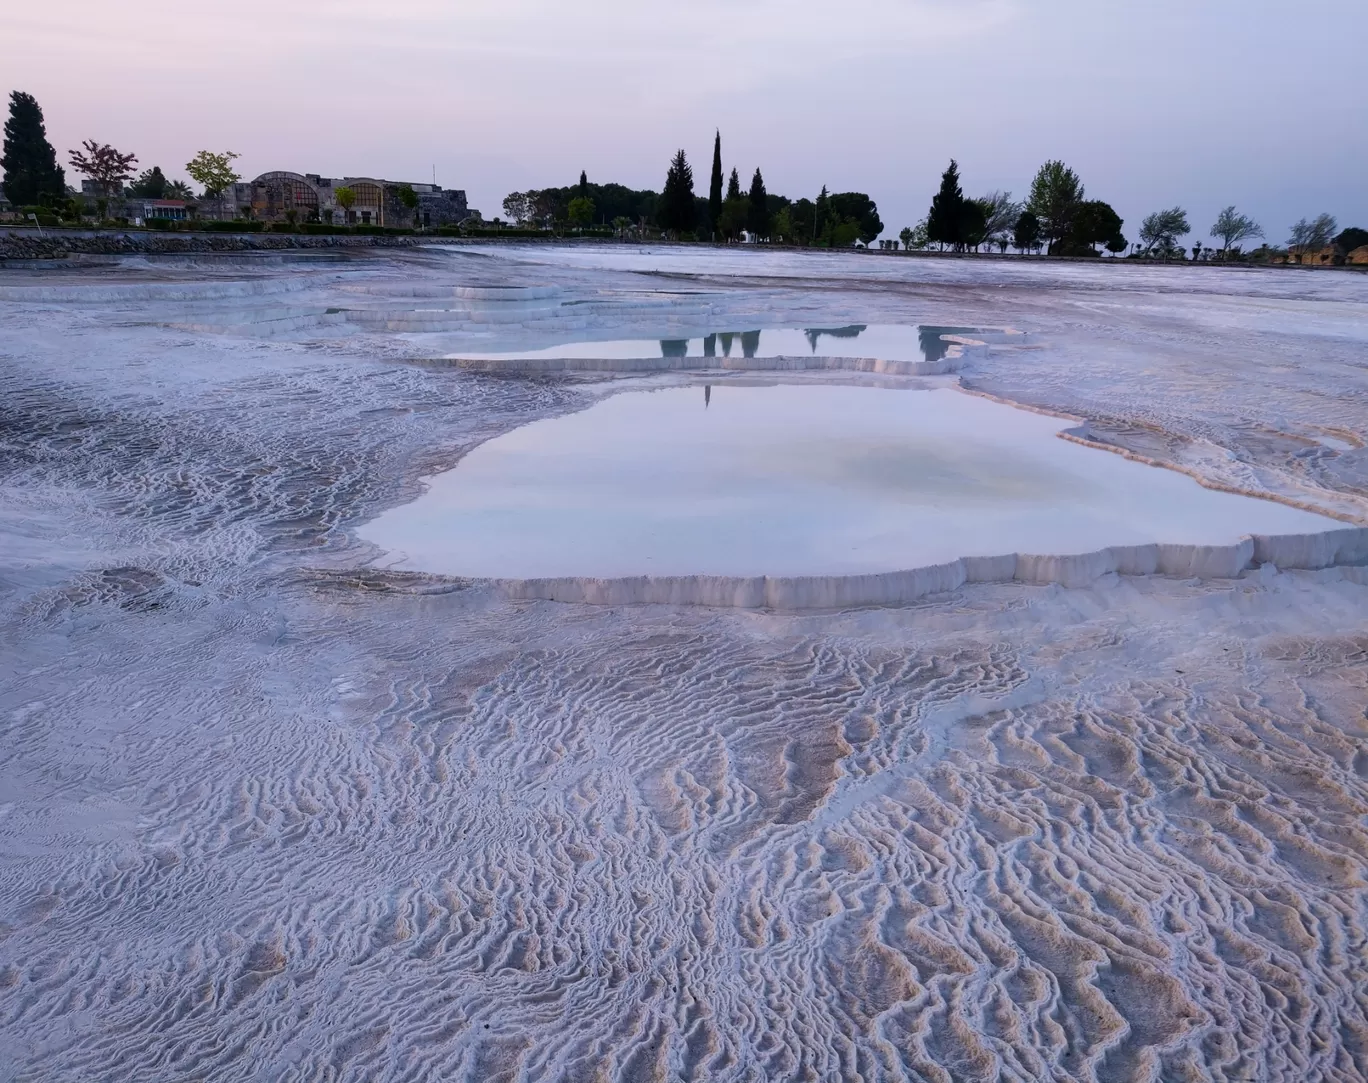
(1348,546)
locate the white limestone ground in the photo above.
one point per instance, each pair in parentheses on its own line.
(267,811)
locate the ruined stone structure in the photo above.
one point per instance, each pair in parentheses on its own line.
(282,196)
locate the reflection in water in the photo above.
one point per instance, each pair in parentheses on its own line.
(814,333)
(933,347)
(889,342)
(928,338)
(797,480)
(707,395)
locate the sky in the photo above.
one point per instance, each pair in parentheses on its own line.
(1155,103)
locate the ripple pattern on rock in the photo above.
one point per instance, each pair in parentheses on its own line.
(268,812)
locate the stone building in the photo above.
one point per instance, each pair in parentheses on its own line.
(281,196)
(1328,256)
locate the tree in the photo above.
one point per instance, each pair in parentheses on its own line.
(919,238)
(1026,233)
(542,204)
(213,172)
(802,213)
(518,206)
(1323,230)
(734,218)
(104,165)
(1232,228)
(715,184)
(1163,228)
(1312,236)
(758,216)
(676,212)
(1055,193)
(944,222)
(31,172)
(1350,239)
(821,215)
(346,199)
(973,224)
(857,207)
(1094,222)
(581,211)
(840,232)
(1000,213)
(1117,244)
(781,225)
(408,198)
(1320,231)
(583,185)
(178,190)
(151,184)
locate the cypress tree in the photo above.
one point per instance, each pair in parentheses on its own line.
(584,185)
(677,208)
(151,184)
(758,218)
(821,213)
(715,187)
(734,186)
(945,220)
(31,172)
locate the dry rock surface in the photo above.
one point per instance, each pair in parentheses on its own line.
(270,811)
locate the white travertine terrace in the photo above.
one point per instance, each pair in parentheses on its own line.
(1348,546)
(271,812)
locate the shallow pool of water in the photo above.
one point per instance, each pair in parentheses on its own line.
(794,480)
(887,342)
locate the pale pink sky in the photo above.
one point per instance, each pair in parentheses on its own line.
(1260,103)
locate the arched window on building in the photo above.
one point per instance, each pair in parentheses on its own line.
(282,196)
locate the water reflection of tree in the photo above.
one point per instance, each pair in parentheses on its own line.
(750,342)
(674,347)
(710,346)
(933,347)
(814,333)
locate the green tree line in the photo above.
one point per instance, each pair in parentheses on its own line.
(727,213)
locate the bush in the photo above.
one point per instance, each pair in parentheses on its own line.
(44,215)
(231,227)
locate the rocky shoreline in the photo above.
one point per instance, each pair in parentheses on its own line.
(29,246)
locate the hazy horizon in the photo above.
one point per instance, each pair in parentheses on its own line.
(1233,103)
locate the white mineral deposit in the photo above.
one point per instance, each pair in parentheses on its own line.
(378,705)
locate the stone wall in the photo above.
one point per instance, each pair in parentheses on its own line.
(28,245)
